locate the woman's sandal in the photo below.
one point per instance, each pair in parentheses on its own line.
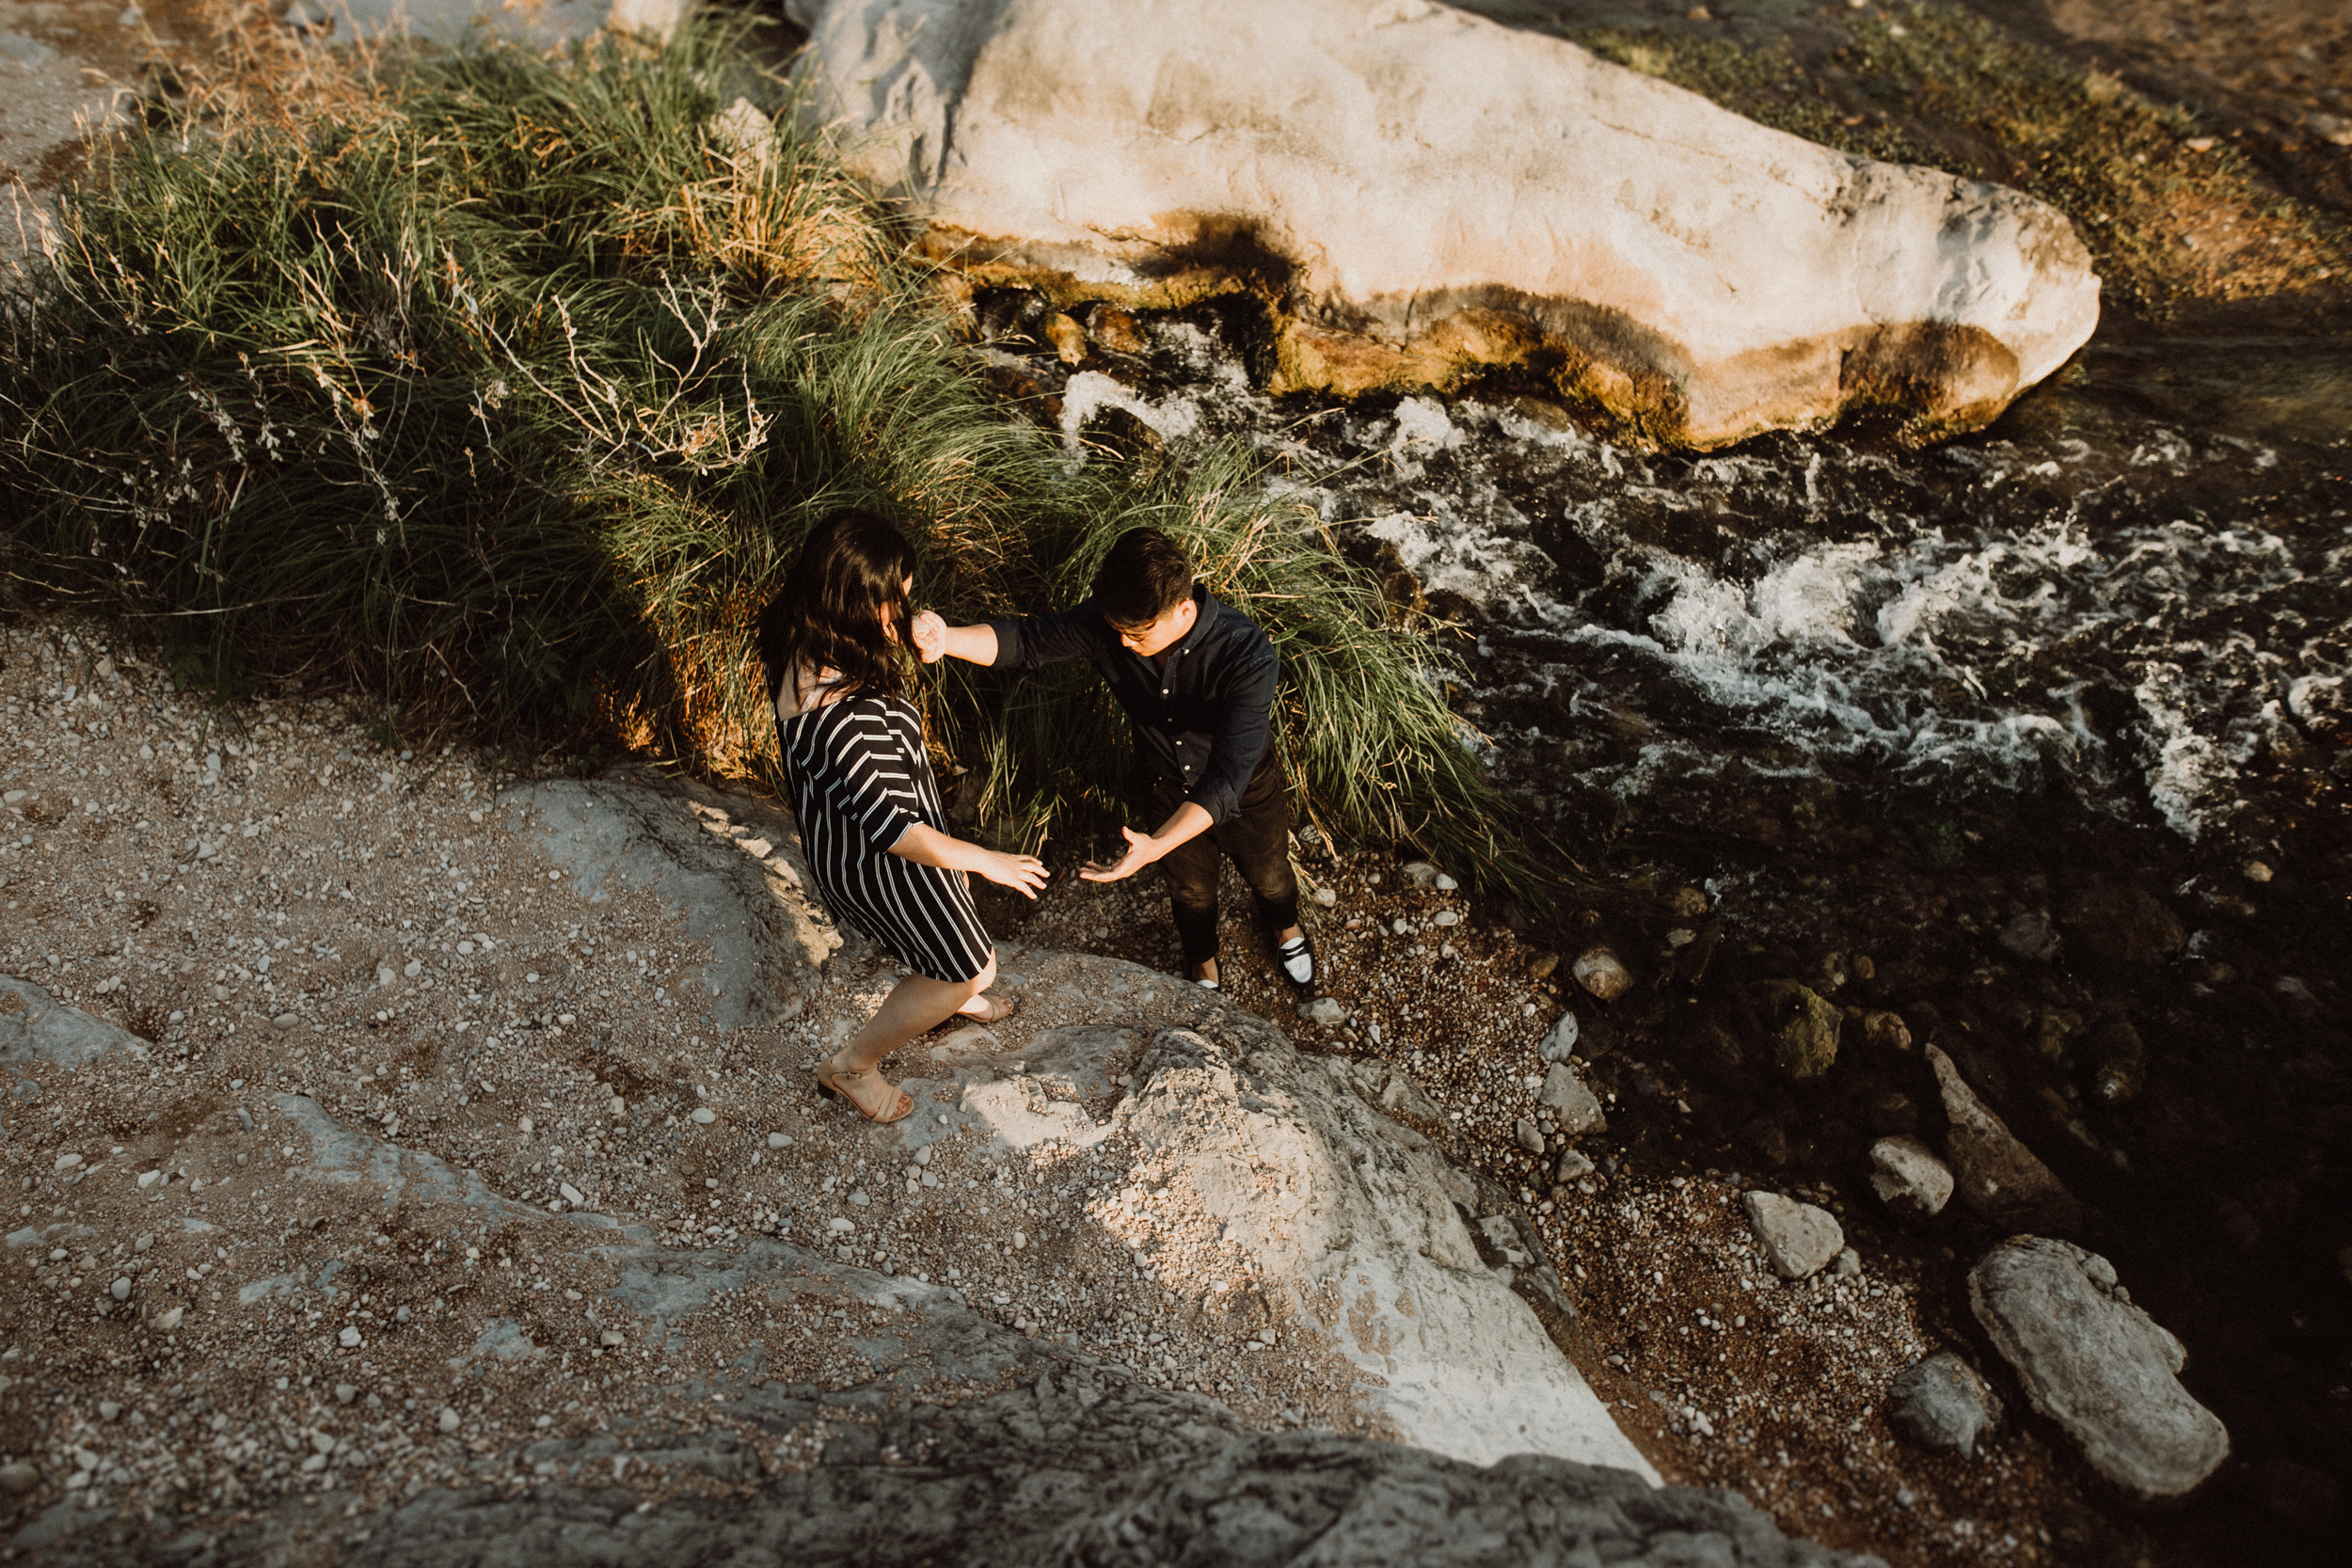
(830,1083)
(1001,1009)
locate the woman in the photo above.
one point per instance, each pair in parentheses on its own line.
(868,807)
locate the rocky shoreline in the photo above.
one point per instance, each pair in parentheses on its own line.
(511,1146)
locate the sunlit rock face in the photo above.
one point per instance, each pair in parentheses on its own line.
(1421,193)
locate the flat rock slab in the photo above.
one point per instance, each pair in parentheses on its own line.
(36,1027)
(2098,1366)
(1420,192)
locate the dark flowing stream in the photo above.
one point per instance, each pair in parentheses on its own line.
(1912,717)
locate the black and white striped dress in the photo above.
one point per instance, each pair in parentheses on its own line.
(859,779)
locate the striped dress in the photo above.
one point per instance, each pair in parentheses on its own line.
(859,779)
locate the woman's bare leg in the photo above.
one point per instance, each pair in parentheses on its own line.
(914,1005)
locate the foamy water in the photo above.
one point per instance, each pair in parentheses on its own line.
(2132,616)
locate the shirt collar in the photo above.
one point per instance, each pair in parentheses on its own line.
(1204,611)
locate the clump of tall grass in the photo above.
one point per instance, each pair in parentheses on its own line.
(503,386)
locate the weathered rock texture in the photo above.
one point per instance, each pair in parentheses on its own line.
(1944,1403)
(1909,1178)
(1070,1462)
(1799,1237)
(1420,192)
(1999,1177)
(2099,1366)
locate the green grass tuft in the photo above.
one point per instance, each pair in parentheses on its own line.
(503,390)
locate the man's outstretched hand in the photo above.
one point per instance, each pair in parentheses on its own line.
(1142,849)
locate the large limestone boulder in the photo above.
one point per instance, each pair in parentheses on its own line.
(1420,192)
(2098,1366)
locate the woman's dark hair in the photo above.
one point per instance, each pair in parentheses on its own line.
(828,614)
(1143,575)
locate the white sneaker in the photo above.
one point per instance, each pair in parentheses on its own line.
(1297,958)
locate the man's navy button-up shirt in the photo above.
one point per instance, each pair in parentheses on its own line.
(1200,719)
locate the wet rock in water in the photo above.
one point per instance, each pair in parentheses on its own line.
(1885,1031)
(1997,1176)
(1571,1104)
(1944,1404)
(2098,1366)
(1909,1178)
(1560,1044)
(2121,924)
(2118,1061)
(2032,937)
(1424,178)
(1801,1027)
(1799,1237)
(1600,971)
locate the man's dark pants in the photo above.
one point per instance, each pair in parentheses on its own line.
(1257,837)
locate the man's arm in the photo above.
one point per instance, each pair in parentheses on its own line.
(1189,822)
(934,640)
(1244,732)
(1015,644)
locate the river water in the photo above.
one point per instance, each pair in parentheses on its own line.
(1887,699)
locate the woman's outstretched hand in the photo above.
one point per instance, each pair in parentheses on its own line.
(929,634)
(1024,872)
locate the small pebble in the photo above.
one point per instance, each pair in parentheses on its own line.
(705,1115)
(349,1338)
(784,1140)
(448,1420)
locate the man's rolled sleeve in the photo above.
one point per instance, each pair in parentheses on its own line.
(1035,640)
(1242,736)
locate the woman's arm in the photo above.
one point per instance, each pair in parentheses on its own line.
(927,845)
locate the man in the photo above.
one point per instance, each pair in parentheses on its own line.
(1196,680)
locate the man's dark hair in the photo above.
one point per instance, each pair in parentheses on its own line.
(1144,576)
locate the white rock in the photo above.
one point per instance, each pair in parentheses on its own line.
(1798,1237)
(1908,1178)
(1444,883)
(1600,971)
(571,1193)
(413,968)
(610,1337)
(703,1115)
(1455,192)
(169,1320)
(1421,873)
(2099,1366)
(120,1289)
(527,1126)
(1571,1104)
(1452,1359)
(619,1107)
(1558,1045)
(349,1338)
(784,1140)
(448,1420)
(67,1162)
(1324,1010)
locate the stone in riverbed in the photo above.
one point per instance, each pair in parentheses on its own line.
(1801,1027)
(2121,924)
(1420,192)
(1909,1178)
(1798,1237)
(1997,1176)
(2099,1366)
(1600,971)
(1558,1045)
(2031,937)
(1944,1404)
(1571,1104)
